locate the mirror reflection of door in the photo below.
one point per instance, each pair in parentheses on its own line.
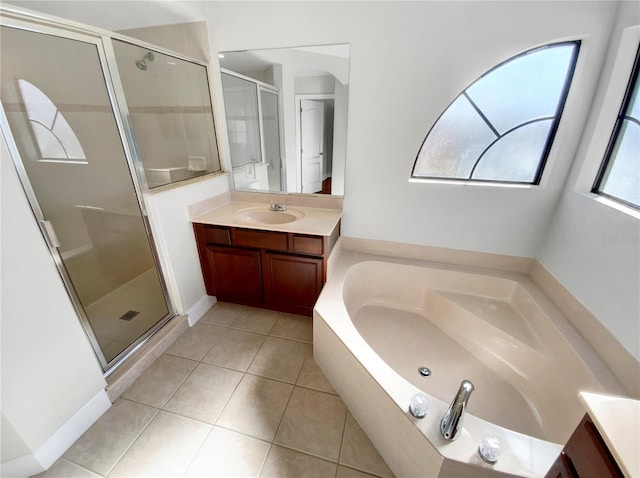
(320,73)
(311,145)
(241,106)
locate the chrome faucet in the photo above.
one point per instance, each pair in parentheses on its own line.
(451,424)
(277,207)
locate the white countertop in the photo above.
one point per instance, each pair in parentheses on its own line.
(618,421)
(316,221)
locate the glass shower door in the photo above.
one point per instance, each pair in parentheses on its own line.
(74,169)
(170,113)
(241,107)
(271,137)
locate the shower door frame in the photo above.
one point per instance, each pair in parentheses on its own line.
(18,18)
(260,87)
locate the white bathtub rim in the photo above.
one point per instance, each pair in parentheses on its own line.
(526,367)
(522,454)
(584,352)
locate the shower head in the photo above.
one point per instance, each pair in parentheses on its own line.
(142,63)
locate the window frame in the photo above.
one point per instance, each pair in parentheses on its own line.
(613,138)
(552,130)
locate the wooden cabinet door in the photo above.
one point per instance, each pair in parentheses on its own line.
(292,283)
(585,456)
(589,454)
(561,468)
(235,274)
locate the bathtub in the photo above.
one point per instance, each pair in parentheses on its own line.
(379,319)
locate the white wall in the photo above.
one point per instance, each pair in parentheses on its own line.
(106,14)
(340,118)
(49,370)
(176,243)
(592,247)
(304,85)
(408,62)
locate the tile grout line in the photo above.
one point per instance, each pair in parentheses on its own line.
(295,384)
(307,453)
(244,373)
(351,467)
(180,384)
(253,374)
(158,411)
(264,461)
(161,409)
(132,441)
(226,329)
(110,469)
(255,355)
(193,457)
(280,380)
(282,418)
(268,334)
(275,433)
(214,424)
(229,368)
(174,354)
(287,405)
(344,431)
(289,447)
(83,467)
(244,434)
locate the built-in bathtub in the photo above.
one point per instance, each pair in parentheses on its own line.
(379,319)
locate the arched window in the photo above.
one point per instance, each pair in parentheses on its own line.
(54,136)
(619,176)
(501,128)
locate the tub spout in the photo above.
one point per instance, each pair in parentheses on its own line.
(451,424)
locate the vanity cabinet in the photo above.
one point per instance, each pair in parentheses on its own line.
(585,455)
(276,270)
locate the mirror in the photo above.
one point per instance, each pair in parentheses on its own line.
(286,114)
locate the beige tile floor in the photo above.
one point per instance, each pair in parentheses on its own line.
(237,395)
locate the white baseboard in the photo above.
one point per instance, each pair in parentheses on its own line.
(55,446)
(198,309)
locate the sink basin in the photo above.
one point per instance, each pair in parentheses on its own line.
(258,215)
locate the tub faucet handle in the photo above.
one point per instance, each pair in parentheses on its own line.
(451,424)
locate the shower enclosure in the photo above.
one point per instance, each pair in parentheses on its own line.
(91,126)
(253,124)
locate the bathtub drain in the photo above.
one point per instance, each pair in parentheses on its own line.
(424,371)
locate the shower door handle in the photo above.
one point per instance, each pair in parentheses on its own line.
(49,234)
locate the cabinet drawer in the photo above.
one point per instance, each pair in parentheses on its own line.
(275,241)
(308,244)
(217,235)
